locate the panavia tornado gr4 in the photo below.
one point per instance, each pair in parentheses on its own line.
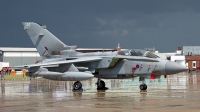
(64,63)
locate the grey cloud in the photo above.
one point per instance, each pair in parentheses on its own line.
(164,24)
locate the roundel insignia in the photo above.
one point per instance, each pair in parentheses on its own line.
(137,66)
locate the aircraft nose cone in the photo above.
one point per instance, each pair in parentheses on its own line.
(173,68)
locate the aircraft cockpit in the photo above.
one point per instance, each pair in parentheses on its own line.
(138,52)
(121,53)
(150,55)
(134,52)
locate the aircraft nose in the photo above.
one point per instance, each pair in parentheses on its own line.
(173,68)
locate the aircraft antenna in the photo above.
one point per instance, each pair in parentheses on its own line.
(118,47)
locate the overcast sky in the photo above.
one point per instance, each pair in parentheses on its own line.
(164,24)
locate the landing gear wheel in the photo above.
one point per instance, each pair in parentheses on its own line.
(143,86)
(77,85)
(101,85)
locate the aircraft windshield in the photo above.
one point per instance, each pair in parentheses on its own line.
(150,55)
(121,53)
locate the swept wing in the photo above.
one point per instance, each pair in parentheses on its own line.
(91,59)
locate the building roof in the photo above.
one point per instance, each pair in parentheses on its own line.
(92,49)
(34,49)
(17,49)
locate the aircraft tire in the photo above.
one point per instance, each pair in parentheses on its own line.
(101,85)
(77,85)
(143,86)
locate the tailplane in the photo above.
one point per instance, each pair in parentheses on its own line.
(44,41)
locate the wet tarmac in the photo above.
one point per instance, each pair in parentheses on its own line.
(180,92)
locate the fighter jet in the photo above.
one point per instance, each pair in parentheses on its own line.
(64,63)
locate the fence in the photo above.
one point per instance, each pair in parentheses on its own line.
(15,77)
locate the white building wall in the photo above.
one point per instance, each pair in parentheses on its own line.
(179,59)
(16,58)
(3,64)
(191,50)
(21,54)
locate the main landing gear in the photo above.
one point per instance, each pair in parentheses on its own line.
(101,85)
(77,86)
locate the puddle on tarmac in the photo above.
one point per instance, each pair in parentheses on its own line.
(177,92)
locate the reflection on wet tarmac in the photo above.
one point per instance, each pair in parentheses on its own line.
(176,92)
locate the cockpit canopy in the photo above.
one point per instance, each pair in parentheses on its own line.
(138,52)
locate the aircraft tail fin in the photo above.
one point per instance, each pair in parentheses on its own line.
(45,42)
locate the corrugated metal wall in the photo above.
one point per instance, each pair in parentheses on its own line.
(191,50)
(13,61)
(20,58)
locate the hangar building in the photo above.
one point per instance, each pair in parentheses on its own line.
(13,56)
(192,56)
(18,56)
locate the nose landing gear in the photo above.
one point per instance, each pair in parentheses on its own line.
(143,86)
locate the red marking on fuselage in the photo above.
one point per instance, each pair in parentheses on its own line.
(37,73)
(140,65)
(74,78)
(149,67)
(134,68)
(61,78)
(155,66)
(36,61)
